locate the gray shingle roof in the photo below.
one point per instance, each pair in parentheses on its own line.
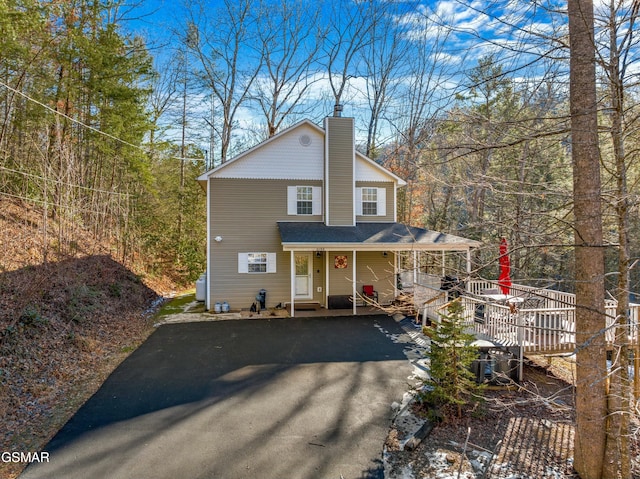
(391,236)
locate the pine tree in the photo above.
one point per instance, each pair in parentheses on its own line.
(451,380)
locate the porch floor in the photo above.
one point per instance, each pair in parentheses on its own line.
(321,312)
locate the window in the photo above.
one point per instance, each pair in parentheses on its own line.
(370,201)
(304,200)
(304,197)
(256,262)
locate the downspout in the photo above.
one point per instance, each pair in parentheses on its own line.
(207,299)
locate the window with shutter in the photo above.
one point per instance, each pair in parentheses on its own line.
(304,200)
(256,262)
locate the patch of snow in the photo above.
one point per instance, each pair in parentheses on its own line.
(445,470)
(390,472)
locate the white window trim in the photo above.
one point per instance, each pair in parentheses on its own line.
(243,263)
(292,200)
(381,203)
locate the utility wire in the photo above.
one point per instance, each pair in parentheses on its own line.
(59,182)
(94,129)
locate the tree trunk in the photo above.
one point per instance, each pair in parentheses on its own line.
(591,367)
(617,454)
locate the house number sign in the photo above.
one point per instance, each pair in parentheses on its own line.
(340,262)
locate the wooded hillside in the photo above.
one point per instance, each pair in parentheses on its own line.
(65,323)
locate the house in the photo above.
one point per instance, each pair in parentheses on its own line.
(307,218)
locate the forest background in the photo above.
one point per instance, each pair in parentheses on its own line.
(109,111)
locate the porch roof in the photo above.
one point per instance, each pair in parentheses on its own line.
(368,237)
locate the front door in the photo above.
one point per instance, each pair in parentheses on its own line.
(304,277)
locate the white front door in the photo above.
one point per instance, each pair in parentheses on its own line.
(304,276)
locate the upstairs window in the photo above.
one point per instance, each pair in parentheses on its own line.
(304,200)
(371,201)
(304,203)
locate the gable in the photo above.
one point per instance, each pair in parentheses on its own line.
(368,170)
(296,153)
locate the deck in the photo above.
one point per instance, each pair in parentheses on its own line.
(539,321)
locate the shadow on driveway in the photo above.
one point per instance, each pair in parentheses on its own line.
(278,398)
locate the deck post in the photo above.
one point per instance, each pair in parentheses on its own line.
(636,372)
(520,325)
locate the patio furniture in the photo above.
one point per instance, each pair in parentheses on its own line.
(369,293)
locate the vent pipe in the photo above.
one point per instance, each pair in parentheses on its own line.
(337,110)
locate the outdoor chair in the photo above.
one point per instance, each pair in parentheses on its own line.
(370,293)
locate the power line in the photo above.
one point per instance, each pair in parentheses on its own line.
(59,182)
(94,129)
(73,208)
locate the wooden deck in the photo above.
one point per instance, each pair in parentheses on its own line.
(539,321)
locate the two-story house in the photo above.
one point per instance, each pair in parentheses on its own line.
(307,218)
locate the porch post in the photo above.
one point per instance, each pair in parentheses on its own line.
(353,292)
(444,271)
(292,280)
(468,268)
(415,267)
(326,279)
(396,272)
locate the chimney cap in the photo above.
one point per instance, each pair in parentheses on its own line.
(337,110)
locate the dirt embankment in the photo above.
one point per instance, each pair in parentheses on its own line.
(65,324)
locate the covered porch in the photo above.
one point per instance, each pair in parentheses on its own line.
(340,267)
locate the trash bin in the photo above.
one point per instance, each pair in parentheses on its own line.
(261,297)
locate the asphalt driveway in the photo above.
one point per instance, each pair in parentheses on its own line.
(279,398)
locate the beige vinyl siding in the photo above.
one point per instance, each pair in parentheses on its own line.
(340,170)
(372,267)
(390,206)
(376,269)
(244,213)
(318,277)
(340,279)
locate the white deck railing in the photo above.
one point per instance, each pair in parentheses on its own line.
(549,325)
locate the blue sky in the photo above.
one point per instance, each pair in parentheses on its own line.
(472,28)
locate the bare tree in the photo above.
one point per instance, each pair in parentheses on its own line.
(348,32)
(223,40)
(383,58)
(619,21)
(591,367)
(289,40)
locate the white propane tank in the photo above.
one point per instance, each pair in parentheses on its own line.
(201,288)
